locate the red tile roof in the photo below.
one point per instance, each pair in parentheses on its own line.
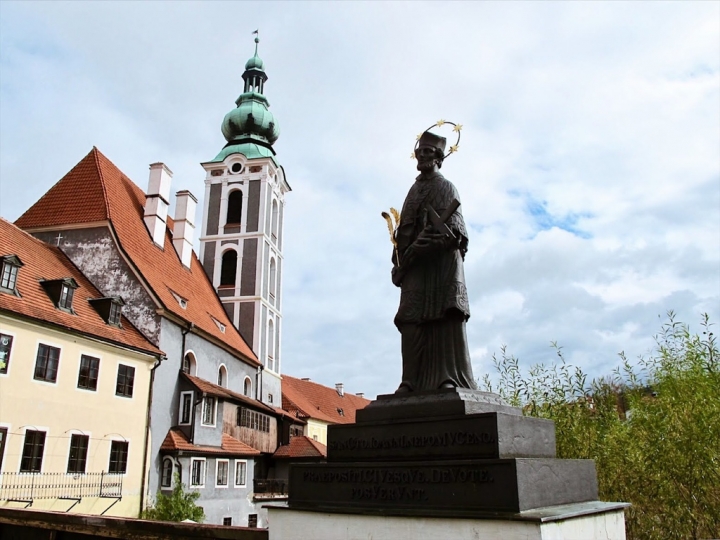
(44,262)
(223,393)
(312,400)
(176,440)
(301,447)
(95,190)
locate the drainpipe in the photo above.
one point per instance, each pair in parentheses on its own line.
(148,418)
(258,382)
(192,425)
(185,332)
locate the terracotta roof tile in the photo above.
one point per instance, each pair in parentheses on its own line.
(108,195)
(307,399)
(44,262)
(176,440)
(301,447)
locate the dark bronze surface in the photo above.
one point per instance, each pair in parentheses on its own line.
(488,436)
(428,267)
(503,485)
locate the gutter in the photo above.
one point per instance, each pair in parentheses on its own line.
(148,418)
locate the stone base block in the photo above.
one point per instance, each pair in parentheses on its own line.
(587,521)
(433,404)
(475,436)
(453,488)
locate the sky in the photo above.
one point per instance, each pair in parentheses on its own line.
(588,170)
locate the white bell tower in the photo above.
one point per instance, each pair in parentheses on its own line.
(242,229)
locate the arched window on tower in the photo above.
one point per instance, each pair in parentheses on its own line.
(271,346)
(228,270)
(247,387)
(222,376)
(274,220)
(273,281)
(234,208)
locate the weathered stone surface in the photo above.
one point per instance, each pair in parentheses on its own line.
(456,487)
(488,435)
(433,404)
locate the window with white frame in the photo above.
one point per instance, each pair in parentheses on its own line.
(247,387)
(240,472)
(271,346)
(222,376)
(186,406)
(208,418)
(9,267)
(222,467)
(5,348)
(197,472)
(33,449)
(167,473)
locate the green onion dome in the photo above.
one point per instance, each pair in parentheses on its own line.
(251,121)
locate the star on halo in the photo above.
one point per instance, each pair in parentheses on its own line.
(440,123)
(457,128)
(454,148)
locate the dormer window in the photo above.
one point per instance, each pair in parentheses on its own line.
(66,296)
(8,278)
(109,308)
(61,292)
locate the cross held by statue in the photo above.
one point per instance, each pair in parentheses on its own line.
(440,221)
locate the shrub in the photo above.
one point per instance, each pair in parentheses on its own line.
(178,506)
(653,428)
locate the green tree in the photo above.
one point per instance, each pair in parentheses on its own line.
(178,506)
(653,428)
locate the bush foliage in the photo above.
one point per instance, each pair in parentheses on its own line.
(178,506)
(653,428)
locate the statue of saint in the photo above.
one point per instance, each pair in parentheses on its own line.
(431,242)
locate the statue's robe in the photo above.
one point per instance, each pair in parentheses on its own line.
(434,304)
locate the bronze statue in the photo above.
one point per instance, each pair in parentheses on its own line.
(431,241)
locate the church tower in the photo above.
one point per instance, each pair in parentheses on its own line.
(242,229)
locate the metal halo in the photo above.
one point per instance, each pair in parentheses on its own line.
(456,128)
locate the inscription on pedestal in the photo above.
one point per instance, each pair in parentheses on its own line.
(459,486)
(481,436)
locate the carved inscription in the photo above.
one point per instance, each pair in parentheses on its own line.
(449,438)
(401,482)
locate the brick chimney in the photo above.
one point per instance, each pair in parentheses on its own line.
(184,228)
(156,202)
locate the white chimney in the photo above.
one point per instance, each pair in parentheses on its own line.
(184,228)
(156,202)
(340,389)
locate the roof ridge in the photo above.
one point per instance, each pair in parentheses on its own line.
(96,153)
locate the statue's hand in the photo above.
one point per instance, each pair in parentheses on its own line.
(429,242)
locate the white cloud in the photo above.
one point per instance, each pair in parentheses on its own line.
(602,119)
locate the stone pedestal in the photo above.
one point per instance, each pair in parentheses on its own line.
(454,454)
(584,521)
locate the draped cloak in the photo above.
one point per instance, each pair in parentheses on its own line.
(434,303)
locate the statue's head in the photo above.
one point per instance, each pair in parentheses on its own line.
(430,152)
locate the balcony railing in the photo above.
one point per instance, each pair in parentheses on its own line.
(272,486)
(27,487)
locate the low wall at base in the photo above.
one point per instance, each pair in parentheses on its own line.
(21,524)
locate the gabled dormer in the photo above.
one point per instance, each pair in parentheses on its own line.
(109,308)
(11,265)
(61,292)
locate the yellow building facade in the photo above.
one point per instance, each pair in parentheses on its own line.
(75,380)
